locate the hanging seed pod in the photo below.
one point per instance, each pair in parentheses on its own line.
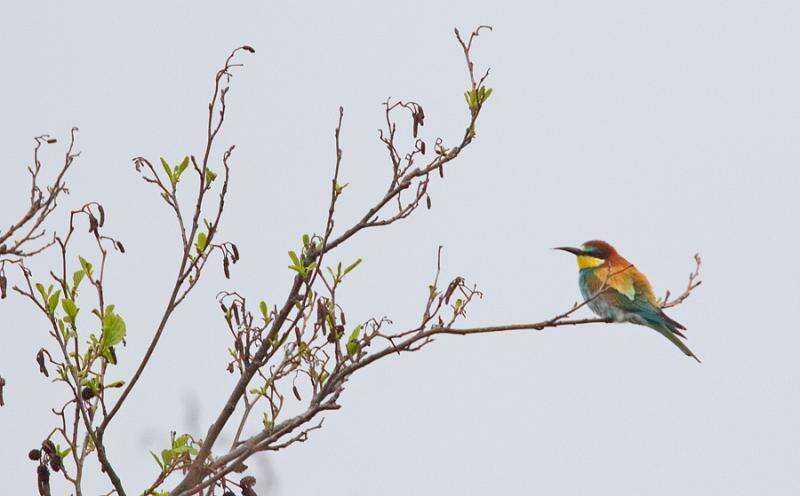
(48,447)
(40,361)
(43,480)
(92,224)
(34,454)
(236,314)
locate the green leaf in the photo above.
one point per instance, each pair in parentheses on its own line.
(87,267)
(351,267)
(168,170)
(52,303)
(262,305)
(295,260)
(45,294)
(115,384)
(180,168)
(70,309)
(113,329)
(352,342)
(158,460)
(202,240)
(167,456)
(77,277)
(63,329)
(93,384)
(210,176)
(306,240)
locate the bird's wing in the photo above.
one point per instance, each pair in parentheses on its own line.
(618,278)
(626,287)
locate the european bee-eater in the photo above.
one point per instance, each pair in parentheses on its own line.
(615,290)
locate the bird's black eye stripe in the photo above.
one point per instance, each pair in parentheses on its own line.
(595,251)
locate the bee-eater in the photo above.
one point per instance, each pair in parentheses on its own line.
(615,290)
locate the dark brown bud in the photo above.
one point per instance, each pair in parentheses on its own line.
(428,201)
(52,141)
(34,454)
(92,224)
(102,215)
(248,48)
(296,393)
(247,484)
(40,361)
(226,268)
(120,247)
(228,493)
(235,253)
(55,463)
(3,284)
(48,447)
(87,394)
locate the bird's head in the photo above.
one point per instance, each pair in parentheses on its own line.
(591,254)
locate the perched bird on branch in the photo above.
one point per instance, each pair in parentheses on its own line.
(615,290)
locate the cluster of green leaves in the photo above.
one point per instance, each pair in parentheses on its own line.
(112,330)
(298,263)
(62,453)
(475,98)
(174,173)
(49,297)
(182,448)
(338,276)
(263,390)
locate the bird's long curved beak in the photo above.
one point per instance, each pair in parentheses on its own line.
(574,251)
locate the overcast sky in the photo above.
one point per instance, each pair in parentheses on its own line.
(665,128)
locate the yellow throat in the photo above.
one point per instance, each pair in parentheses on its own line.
(587,262)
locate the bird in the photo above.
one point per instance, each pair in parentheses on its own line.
(615,290)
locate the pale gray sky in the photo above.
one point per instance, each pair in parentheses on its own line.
(663,127)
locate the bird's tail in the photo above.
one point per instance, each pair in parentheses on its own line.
(670,333)
(673,325)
